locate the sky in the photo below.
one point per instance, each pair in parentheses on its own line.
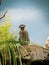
(33,13)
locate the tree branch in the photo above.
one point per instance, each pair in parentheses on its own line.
(0,2)
(3,15)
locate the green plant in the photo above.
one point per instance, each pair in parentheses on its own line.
(19,55)
(13,56)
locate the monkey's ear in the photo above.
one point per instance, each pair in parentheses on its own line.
(0,2)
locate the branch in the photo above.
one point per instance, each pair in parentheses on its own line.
(0,2)
(3,15)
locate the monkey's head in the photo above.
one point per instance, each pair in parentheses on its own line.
(22,27)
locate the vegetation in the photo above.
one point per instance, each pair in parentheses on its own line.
(7,47)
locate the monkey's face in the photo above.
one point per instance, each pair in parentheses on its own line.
(22,28)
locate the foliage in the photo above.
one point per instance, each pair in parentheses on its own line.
(13,55)
(19,55)
(8,52)
(5,34)
(7,48)
(4,31)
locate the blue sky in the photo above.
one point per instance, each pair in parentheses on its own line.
(33,13)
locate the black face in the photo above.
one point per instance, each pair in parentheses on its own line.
(22,28)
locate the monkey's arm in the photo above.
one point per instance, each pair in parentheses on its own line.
(20,35)
(27,36)
(3,15)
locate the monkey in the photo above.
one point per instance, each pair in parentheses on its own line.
(3,15)
(23,34)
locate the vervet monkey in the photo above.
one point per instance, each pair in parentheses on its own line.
(23,34)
